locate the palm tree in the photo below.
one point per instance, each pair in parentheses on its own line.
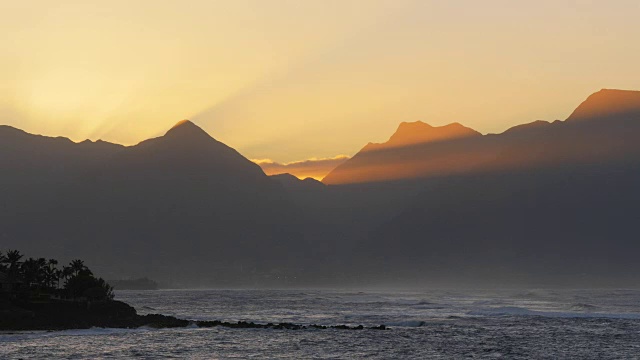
(36,272)
(30,271)
(78,267)
(13,258)
(66,272)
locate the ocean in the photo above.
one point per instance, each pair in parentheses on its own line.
(427,324)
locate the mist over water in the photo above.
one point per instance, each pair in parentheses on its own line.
(515,324)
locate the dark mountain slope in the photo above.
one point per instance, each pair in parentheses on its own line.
(609,103)
(540,203)
(556,204)
(414,150)
(27,159)
(420,151)
(183,201)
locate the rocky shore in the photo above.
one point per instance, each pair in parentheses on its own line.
(64,315)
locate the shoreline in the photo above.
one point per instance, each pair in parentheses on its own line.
(115,314)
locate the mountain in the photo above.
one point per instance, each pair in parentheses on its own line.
(409,153)
(418,151)
(34,168)
(28,158)
(292,183)
(186,147)
(552,204)
(180,201)
(544,203)
(420,133)
(608,103)
(185,154)
(569,227)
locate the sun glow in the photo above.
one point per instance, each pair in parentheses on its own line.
(311,168)
(295,80)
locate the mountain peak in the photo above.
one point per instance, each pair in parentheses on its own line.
(418,132)
(184,122)
(186,128)
(607,103)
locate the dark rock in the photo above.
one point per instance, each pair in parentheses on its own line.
(341,327)
(61,315)
(162,321)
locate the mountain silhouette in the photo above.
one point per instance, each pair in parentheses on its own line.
(420,133)
(553,204)
(414,150)
(541,203)
(28,158)
(188,151)
(608,103)
(180,201)
(292,183)
(535,144)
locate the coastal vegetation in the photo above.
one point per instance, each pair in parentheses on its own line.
(40,278)
(37,295)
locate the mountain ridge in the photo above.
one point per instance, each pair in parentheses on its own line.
(475,152)
(607,102)
(419,132)
(540,200)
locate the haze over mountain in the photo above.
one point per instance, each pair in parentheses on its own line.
(608,103)
(400,157)
(541,203)
(181,201)
(311,168)
(418,150)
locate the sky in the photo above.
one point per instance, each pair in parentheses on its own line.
(286,81)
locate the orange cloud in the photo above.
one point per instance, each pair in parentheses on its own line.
(313,168)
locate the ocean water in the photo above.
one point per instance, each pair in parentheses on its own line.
(438,324)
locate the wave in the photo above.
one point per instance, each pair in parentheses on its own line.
(31,334)
(408,323)
(425,302)
(583,306)
(519,311)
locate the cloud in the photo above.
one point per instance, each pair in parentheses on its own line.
(313,168)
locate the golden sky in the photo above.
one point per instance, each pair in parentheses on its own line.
(310,168)
(293,80)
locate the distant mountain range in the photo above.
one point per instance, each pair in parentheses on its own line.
(418,150)
(177,207)
(541,203)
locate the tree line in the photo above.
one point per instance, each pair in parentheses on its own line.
(42,276)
